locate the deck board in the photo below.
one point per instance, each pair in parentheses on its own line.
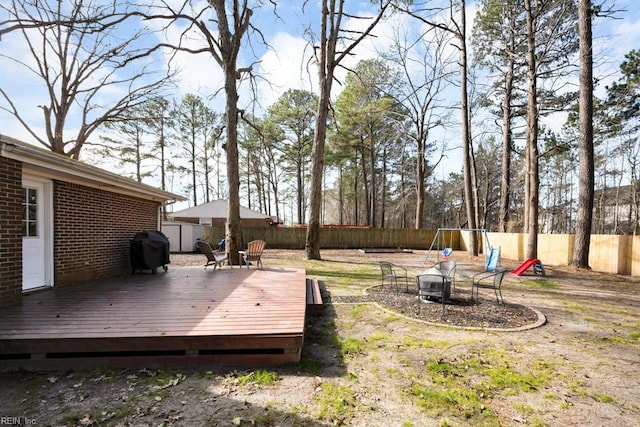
(189,310)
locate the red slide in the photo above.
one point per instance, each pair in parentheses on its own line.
(537,267)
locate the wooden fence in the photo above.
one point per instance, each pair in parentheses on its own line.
(608,253)
(334,238)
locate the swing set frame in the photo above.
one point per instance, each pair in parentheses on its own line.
(439,237)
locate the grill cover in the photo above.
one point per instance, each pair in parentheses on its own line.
(149,250)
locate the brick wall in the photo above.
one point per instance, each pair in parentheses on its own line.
(92,230)
(10,231)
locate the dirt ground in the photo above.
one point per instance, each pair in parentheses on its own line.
(366,365)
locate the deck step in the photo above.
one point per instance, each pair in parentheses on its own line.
(314,297)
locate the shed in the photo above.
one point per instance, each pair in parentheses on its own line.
(183,235)
(65,221)
(215,214)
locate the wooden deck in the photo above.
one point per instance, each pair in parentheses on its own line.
(184,317)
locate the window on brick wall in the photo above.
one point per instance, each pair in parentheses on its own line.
(29,212)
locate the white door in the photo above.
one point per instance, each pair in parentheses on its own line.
(36,230)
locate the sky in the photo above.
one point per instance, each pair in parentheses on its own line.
(284,64)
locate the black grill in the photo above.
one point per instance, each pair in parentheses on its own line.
(148,251)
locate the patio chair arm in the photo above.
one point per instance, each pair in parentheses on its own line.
(399,266)
(479,277)
(220,256)
(401,270)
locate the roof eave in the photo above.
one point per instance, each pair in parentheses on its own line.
(54,166)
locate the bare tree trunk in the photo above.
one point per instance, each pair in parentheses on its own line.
(585,142)
(233,236)
(327,59)
(373,186)
(193,163)
(367,191)
(325,80)
(163,169)
(634,211)
(356,194)
(471,202)
(505,183)
(420,175)
(272,178)
(616,212)
(300,192)
(229,44)
(383,190)
(532,140)
(341,197)
(312,244)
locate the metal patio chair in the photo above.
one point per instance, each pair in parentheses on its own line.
(489,280)
(390,273)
